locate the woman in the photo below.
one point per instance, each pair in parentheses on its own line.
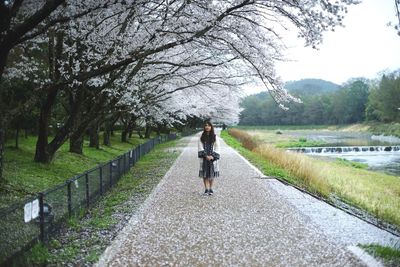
(209,153)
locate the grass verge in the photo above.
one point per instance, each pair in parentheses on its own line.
(84,238)
(389,255)
(377,193)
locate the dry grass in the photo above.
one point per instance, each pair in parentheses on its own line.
(246,139)
(375,192)
(298,165)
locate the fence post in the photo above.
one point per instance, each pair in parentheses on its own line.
(101,180)
(41,218)
(136,155)
(87,189)
(118,168)
(125,169)
(69,199)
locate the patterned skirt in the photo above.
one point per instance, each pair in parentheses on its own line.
(208,169)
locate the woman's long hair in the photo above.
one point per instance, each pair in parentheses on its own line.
(203,137)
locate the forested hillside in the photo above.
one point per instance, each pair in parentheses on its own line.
(311,86)
(356,101)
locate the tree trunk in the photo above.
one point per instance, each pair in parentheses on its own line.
(108,126)
(147,132)
(140,134)
(94,136)
(128,127)
(158,130)
(76,144)
(124,134)
(42,150)
(26,133)
(106,137)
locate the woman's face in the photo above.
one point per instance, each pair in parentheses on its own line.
(207,127)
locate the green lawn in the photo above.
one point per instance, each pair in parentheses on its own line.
(23,177)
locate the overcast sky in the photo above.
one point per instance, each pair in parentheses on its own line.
(363,48)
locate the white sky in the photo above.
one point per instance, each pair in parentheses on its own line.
(363,48)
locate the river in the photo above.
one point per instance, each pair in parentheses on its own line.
(381,153)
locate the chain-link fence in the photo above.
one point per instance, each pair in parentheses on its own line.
(24,223)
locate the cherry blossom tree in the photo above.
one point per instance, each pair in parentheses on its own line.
(106,49)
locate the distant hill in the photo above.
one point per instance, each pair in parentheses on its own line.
(310,87)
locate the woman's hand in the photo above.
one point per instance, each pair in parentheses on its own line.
(209,158)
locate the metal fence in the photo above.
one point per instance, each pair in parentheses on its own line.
(37,218)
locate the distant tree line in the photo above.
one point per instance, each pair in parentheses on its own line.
(356,101)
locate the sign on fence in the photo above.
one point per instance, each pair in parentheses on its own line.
(31,210)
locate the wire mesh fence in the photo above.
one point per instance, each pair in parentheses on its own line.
(38,218)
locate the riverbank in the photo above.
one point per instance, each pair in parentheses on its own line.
(376,128)
(374,192)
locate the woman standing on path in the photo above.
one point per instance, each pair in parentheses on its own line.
(208,153)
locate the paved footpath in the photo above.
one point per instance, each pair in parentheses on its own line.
(245,223)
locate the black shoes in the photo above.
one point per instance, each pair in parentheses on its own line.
(208,192)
